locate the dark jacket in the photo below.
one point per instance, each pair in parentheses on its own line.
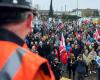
(41,51)
(80,66)
(69,65)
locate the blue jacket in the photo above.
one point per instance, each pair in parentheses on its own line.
(80,66)
(68,47)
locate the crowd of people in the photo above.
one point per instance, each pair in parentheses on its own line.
(82,43)
(65,45)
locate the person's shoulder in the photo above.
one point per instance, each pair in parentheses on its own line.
(35,55)
(34,63)
(30,56)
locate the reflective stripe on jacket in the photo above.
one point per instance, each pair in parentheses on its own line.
(18,63)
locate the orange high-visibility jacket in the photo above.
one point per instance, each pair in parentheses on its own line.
(18,63)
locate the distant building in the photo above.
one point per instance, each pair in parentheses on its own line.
(83,12)
(77,12)
(43,12)
(58,13)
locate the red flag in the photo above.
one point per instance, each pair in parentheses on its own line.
(96,35)
(62,41)
(62,49)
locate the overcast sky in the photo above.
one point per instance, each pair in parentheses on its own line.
(70,4)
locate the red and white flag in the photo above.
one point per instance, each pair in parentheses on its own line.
(62,49)
(61,25)
(62,41)
(96,35)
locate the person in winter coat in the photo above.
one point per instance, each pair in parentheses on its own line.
(56,69)
(86,59)
(75,50)
(68,47)
(17,62)
(41,50)
(80,68)
(70,66)
(92,56)
(97,60)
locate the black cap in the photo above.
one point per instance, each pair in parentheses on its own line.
(18,4)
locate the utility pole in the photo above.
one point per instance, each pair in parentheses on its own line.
(77,7)
(65,8)
(77,12)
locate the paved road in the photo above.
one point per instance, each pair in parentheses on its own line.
(64,78)
(93,76)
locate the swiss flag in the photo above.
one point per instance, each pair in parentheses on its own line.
(62,49)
